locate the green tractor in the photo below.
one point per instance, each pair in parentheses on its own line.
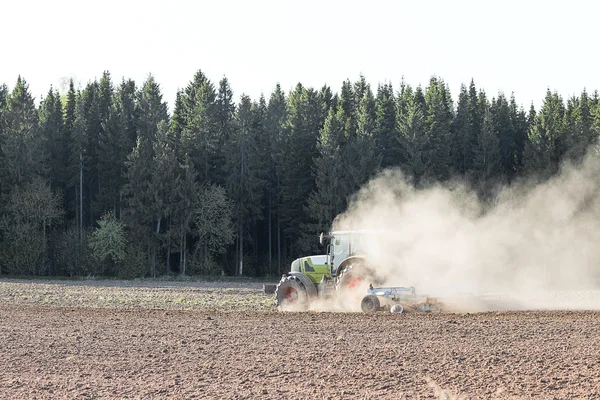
(342,270)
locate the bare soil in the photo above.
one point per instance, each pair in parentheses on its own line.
(141,351)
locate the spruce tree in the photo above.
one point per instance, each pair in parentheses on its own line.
(385,130)
(70,167)
(502,123)
(547,142)
(328,199)
(519,124)
(276,131)
(245,179)
(199,137)
(299,148)
(126,102)
(438,122)
(145,210)
(51,125)
(462,145)
(488,161)
(413,135)
(360,155)
(578,125)
(24,148)
(224,110)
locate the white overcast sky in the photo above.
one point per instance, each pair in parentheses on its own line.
(514,46)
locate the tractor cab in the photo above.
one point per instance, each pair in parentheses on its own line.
(343,244)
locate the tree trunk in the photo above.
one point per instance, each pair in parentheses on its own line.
(237,252)
(278,244)
(255,246)
(270,239)
(241,249)
(169,246)
(181,248)
(80,199)
(184,253)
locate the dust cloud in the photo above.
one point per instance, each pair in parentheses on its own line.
(533,246)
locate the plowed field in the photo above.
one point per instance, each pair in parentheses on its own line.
(188,346)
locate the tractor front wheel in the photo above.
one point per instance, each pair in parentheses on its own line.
(291,294)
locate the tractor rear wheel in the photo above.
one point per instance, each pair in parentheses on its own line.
(291,294)
(351,285)
(352,277)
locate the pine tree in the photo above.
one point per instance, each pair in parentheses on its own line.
(519,123)
(578,121)
(4,187)
(360,154)
(327,101)
(24,147)
(413,135)
(488,162)
(187,202)
(70,159)
(224,110)
(263,169)
(462,149)
(126,103)
(438,122)
(385,131)
(276,131)
(199,136)
(547,142)
(245,182)
(595,131)
(348,105)
(502,124)
(178,120)
(328,198)
(114,145)
(145,206)
(299,147)
(165,181)
(51,125)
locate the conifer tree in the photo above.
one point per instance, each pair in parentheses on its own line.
(502,124)
(547,137)
(462,148)
(245,178)
(4,94)
(276,131)
(24,147)
(51,124)
(578,125)
(224,110)
(146,211)
(70,159)
(361,158)
(438,122)
(413,135)
(328,198)
(519,123)
(385,130)
(488,162)
(199,136)
(300,147)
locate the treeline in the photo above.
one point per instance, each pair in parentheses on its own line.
(103,181)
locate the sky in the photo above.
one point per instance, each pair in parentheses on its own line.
(511,46)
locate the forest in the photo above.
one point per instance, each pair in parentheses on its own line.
(104,181)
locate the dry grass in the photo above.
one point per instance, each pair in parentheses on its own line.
(208,296)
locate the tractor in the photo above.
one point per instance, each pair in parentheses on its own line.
(343,269)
